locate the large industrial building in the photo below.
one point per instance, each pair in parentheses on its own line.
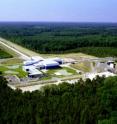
(36,63)
(33,60)
(47,64)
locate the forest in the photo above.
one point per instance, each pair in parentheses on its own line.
(85,102)
(64,37)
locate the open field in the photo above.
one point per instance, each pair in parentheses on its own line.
(12,61)
(8,50)
(13,70)
(19,48)
(69,70)
(82,66)
(59,73)
(12,66)
(5,44)
(98,51)
(4,54)
(75,56)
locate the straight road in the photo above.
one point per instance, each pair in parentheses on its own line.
(23,56)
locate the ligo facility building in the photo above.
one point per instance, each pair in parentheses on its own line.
(35,64)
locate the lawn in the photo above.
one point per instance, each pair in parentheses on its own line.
(82,66)
(4,54)
(12,61)
(98,51)
(50,74)
(53,71)
(13,71)
(21,72)
(12,66)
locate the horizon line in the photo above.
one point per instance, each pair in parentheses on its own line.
(56,22)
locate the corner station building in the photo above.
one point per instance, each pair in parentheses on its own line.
(35,64)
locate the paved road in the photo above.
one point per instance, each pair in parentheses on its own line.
(25,57)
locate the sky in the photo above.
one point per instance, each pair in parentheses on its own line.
(59,10)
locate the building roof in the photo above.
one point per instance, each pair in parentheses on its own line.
(49,62)
(30,62)
(53,59)
(32,70)
(37,58)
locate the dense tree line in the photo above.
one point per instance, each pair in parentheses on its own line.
(86,102)
(60,37)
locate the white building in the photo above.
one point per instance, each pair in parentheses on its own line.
(32,71)
(60,61)
(48,64)
(37,58)
(41,63)
(33,60)
(30,62)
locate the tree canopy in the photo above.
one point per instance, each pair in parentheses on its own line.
(63,37)
(86,102)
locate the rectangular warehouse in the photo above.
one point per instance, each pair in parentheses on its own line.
(48,64)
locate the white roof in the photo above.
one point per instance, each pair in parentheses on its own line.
(32,70)
(37,58)
(37,64)
(110,62)
(49,62)
(53,59)
(30,62)
(29,67)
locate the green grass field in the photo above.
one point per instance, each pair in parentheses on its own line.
(98,51)
(82,66)
(12,61)
(51,73)
(10,70)
(4,54)
(69,70)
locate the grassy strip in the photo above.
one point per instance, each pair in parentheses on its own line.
(4,54)
(12,61)
(98,51)
(69,70)
(20,48)
(20,74)
(83,66)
